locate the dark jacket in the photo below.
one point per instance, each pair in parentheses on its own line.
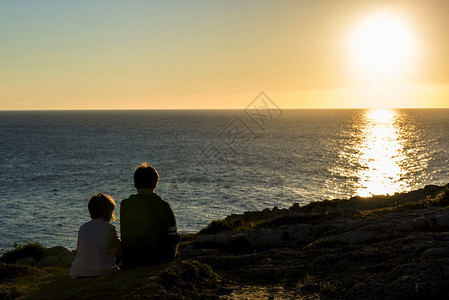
(148,231)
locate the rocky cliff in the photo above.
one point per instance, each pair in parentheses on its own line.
(381,247)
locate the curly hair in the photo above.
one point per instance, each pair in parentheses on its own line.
(101,206)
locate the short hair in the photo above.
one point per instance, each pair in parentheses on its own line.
(145,176)
(101,206)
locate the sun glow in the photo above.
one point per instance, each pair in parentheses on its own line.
(382,46)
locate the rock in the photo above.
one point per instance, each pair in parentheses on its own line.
(264,238)
(381,247)
(61,260)
(441,220)
(295,207)
(300,233)
(432,188)
(49,261)
(225,241)
(352,237)
(26,261)
(55,251)
(435,253)
(66,259)
(266,213)
(403,287)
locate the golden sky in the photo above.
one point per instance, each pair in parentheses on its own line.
(222,54)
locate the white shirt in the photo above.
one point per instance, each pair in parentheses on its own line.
(97,240)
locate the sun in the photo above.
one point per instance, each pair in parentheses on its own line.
(382,45)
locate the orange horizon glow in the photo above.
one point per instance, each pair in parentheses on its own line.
(408,97)
(134,55)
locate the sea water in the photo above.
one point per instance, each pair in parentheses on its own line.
(211,163)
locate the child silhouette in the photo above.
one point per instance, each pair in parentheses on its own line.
(98,246)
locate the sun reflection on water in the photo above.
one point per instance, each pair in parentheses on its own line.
(380,154)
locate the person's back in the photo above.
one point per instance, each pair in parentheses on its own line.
(98,244)
(94,256)
(148,225)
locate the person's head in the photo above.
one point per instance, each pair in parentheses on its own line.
(101,206)
(145,177)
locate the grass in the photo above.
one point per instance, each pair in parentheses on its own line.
(242,223)
(10,271)
(439,200)
(328,287)
(308,280)
(190,279)
(17,281)
(186,239)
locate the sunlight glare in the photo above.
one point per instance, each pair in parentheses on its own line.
(380,155)
(382,45)
(380,115)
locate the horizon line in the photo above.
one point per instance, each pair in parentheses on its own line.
(217,109)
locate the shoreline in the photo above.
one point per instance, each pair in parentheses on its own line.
(383,247)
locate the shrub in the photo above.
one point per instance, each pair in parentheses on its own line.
(215,227)
(442,199)
(34,250)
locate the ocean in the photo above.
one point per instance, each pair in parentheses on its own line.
(212,163)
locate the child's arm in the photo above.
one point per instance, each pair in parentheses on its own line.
(77,243)
(118,256)
(116,247)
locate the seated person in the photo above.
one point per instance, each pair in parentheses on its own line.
(147,223)
(98,245)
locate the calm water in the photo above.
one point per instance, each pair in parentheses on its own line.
(211,163)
